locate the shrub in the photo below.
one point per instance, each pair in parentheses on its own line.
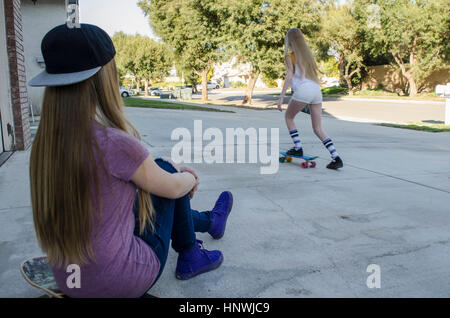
(238,84)
(333,90)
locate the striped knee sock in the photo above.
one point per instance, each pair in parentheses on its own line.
(295,139)
(328,143)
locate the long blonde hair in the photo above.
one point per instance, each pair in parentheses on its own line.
(63,173)
(295,43)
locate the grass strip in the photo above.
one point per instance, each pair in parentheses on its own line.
(148,103)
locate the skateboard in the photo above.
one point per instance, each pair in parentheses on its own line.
(308,161)
(37,273)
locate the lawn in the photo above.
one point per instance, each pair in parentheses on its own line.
(147,103)
(419,126)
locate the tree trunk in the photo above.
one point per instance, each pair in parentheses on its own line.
(407,73)
(204,75)
(146,87)
(412,86)
(138,85)
(341,67)
(250,87)
(412,63)
(348,79)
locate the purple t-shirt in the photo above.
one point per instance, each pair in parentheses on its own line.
(125,266)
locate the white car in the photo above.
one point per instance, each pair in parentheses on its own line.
(209,85)
(125,92)
(155,91)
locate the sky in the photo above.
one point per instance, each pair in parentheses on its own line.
(115,15)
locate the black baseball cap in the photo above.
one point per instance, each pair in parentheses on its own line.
(73,55)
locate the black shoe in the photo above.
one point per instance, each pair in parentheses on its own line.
(336,163)
(294,152)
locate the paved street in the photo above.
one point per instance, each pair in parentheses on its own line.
(299,232)
(354,109)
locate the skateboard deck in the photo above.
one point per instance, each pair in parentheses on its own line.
(37,273)
(308,160)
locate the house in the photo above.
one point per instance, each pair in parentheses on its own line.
(23,24)
(38,17)
(234,71)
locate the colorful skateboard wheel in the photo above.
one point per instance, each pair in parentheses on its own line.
(312,164)
(281,159)
(289,159)
(304,165)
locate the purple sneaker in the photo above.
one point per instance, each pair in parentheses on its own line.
(220,213)
(197,261)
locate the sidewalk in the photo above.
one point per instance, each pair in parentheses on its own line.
(300,232)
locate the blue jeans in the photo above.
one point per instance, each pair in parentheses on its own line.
(174,219)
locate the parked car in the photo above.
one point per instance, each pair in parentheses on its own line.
(209,85)
(154,91)
(125,92)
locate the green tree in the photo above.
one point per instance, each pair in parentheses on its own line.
(192,28)
(329,66)
(414,32)
(142,57)
(343,33)
(152,59)
(256,31)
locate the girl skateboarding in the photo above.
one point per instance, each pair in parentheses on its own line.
(100,201)
(301,75)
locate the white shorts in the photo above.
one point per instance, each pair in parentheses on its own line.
(307,92)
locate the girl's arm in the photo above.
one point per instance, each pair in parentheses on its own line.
(151,178)
(287,81)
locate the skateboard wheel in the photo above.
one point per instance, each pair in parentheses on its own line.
(289,159)
(281,159)
(304,165)
(312,164)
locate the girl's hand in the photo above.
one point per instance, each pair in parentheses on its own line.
(197,179)
(194,189)
(279,105)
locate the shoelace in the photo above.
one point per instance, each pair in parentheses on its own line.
(202,249)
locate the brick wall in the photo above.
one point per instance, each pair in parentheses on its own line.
(16,60)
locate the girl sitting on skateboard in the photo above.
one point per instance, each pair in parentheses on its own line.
(91,180)
(301,75)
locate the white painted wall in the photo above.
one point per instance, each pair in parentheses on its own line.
(6,115)
(234,71)
(37,20)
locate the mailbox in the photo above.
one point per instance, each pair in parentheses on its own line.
(444,91)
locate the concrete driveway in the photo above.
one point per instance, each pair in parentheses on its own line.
(297,233)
